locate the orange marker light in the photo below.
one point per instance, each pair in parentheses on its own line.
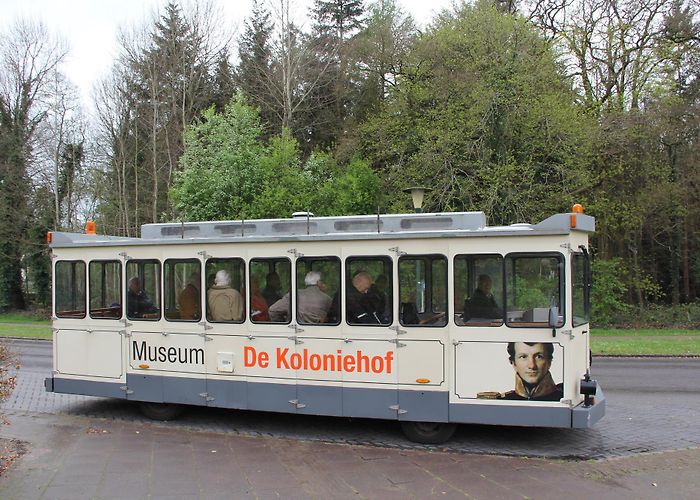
(145,367)
(423,380)
(577,208)
(572,220)
(49,237)
(90,227)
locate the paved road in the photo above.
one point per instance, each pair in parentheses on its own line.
(653,405)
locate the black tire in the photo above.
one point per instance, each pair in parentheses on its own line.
(161,411)
(428,432)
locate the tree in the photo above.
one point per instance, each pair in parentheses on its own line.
(163,79)
(220,175)
(336,24)
(254,72)
(612,44)
(482,115)
(29,57)
(229,173)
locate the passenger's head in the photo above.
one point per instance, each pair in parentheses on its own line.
(531,360)
(483,283)
(135,284)
(272,280)
(362,281)
(312,278)
(222,278)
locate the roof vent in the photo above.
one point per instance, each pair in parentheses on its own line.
(302,215)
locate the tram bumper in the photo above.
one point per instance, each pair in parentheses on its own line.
(48,384)
(583,416)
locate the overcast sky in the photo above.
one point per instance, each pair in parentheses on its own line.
(90,26)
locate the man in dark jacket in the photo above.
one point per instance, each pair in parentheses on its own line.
(138,305)
(360,308)
(482,304)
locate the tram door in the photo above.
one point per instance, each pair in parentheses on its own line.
(167,332)
(422,317)
(92,347)
(370,389)
(271,380)
(319,348)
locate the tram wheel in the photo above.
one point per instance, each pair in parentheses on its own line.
(428,432)
(161,411)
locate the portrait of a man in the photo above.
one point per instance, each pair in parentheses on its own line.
(533,381)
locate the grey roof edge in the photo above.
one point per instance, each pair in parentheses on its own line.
(59,238)
(583,222)
(391,226)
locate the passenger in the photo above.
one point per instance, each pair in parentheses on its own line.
(138,305)
(225,303)
(258,304)
(271,292)
(312,302)
(359,308)
(188,300)
(531,362)
(378,296)
(482,303)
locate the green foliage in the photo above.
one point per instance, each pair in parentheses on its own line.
(229,173)
(220,175)
(484,116)
(609,290)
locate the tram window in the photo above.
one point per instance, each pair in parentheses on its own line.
(478,283)
(182,290)
(270,281)
(225,290)
(368,291)
(105,289)
(70,289)
(423,290)
(533,286)
(143,290)
(318,283)
(580,289)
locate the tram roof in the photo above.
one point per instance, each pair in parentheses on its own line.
(369,227)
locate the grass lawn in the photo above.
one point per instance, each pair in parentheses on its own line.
(23,318)
(32,332)
(646,346)
(616,332)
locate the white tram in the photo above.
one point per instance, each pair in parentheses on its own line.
(430,319)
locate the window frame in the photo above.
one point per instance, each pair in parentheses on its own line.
(292,277)
(122,299)
(348,283)
(586,286)
(243,267)
(325,258)
(85,288)
(562,286)
(190,260)
(428,259)
(503,297)
(159,273)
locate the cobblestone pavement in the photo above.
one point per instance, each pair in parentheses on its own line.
(635,422)
(74,457)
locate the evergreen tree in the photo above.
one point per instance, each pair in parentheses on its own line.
(336,23)
(254,75)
